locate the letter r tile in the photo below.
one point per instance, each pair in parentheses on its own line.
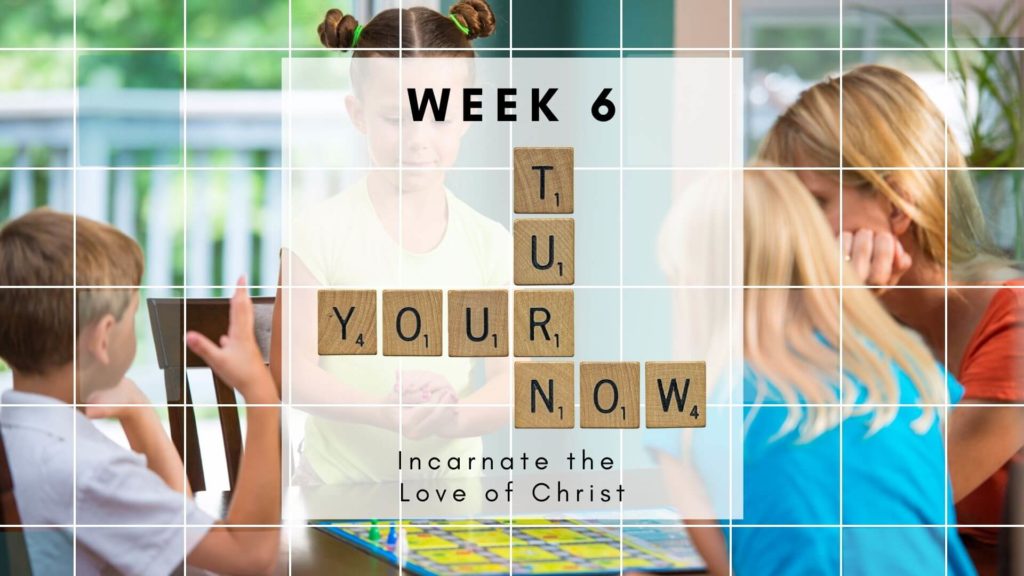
(543,323)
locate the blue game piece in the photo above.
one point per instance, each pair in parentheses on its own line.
(392,536)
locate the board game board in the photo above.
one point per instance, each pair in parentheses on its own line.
(538,546)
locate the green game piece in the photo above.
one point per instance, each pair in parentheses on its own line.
(374,531)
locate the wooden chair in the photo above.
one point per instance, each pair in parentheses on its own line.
(14,558)
(208,316)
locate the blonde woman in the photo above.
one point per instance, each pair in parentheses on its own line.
(894,232)
(884,416)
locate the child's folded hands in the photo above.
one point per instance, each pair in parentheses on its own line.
(427,400)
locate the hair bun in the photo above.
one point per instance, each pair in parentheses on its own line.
(337,30)
(476,15)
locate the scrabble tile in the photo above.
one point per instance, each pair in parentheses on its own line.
(544,252)
(609,394)
(347,322)
(478,322)
(545,394)
(543,180)
(543,323)
(411,323)
(676,394)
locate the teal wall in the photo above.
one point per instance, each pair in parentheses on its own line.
(581,23)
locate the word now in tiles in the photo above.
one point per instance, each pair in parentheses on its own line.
(610,395)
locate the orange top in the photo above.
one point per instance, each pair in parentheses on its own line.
(992,370)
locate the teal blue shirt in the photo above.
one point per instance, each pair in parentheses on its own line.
(895,493)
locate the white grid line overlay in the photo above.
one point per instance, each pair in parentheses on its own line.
(842,315)
(286,435)
(74,267)
(622,273)
(732,282)
(511,274)
(184,309)
(76,167)
(609,50)
(945,311)
(171,168)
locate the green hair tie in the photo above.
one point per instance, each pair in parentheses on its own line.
(355,36)
(455,19)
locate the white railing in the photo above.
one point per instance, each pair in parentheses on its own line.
(142,130)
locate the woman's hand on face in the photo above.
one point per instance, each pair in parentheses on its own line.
(878,258)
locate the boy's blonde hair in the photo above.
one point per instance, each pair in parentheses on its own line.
(38,275)
(889,122)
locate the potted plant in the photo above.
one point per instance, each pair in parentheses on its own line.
(990,78)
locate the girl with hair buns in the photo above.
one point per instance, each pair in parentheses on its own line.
(400,226)
(894,195)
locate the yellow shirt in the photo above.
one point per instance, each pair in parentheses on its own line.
(343,243)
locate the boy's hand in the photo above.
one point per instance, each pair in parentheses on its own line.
(238,360)
(116,402)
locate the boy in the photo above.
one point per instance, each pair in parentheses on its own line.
(50,445)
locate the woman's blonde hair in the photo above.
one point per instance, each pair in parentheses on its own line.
(792,325)
(895,144)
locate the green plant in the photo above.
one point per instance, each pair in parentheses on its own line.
(990,78)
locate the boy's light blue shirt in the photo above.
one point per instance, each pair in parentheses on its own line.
(895,494)
(128,519)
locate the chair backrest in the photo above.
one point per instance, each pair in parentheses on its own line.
(1011,538)
(170,318)
(13,550)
